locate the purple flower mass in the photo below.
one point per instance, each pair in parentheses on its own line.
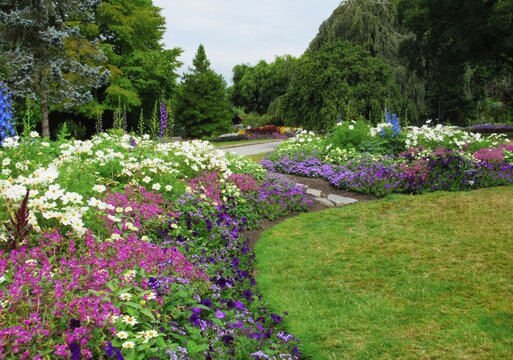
(163,119)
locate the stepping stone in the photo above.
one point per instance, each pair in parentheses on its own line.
(325,202)
(314,192)
(341,200)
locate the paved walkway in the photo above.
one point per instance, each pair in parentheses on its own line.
(254,149)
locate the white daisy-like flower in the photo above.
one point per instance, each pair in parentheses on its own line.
(125,297)
(99,188)
(146,179)
(168,188)
(128,345)
(156,187)
(122,335)
(129,320)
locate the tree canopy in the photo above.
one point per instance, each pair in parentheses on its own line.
(49,58)
(203,107)
(256,87)
(338,81)
(464,51)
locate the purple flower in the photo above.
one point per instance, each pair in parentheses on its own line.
(220,314)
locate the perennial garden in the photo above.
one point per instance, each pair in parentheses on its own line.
(388,159)
(127,248)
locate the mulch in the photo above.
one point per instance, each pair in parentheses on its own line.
(314,183)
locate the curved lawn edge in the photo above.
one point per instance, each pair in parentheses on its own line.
(407,276)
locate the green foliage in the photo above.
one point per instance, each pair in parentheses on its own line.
(463,50)
(118,118)
(48,57)
(130,33)
(350,134)
(30,117)
(203,109)
(335,82)
(140,124)
(63,133)
(154,121)
(256,87)
(374,26)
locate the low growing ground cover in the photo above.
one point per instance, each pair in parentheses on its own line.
(125,248)
(423,276)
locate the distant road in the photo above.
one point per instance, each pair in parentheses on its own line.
(254,149)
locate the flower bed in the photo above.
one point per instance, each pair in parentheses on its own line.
(386,159)
(121,247)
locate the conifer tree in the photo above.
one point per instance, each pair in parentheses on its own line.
(203,108)
(49,58)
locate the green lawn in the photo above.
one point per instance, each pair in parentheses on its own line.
(257,157)
(408,277)
(241,142)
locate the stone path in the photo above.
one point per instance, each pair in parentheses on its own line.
(328,200)
(254,149)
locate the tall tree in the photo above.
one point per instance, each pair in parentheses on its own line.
(203,108)
(49,57)
(256,87)
(142,71)
(463,49)
(374,25)
(338,80)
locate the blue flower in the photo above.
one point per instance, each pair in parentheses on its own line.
(6,114)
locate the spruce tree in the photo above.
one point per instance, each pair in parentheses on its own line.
(48,57)
(203,108)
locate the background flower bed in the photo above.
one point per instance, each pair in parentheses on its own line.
(385,159)
(141,256)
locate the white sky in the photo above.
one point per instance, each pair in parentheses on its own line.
(242,31)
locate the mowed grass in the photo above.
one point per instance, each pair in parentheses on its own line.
(257,157)
(409,277)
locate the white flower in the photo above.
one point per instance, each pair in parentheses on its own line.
(129,320)
(113,218)
(34,134)
(6,162)
(15,192)
(54,192)
(151,296)
(145,238)
(351,127)
(99,188)
(128,209)
(168,188)
(122,335)
(146,179)
(156,187)
(2,279)
(125,297)
(128,345)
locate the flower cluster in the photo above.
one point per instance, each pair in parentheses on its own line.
(6,114)
(141,256)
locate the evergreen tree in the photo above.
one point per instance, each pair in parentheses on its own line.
(203,108)
(49,58)
(374,25)
(340,80)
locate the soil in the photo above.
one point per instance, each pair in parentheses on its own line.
(314,183)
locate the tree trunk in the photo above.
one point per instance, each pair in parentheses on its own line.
(45,123)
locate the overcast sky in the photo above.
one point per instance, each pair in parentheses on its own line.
(242,31)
